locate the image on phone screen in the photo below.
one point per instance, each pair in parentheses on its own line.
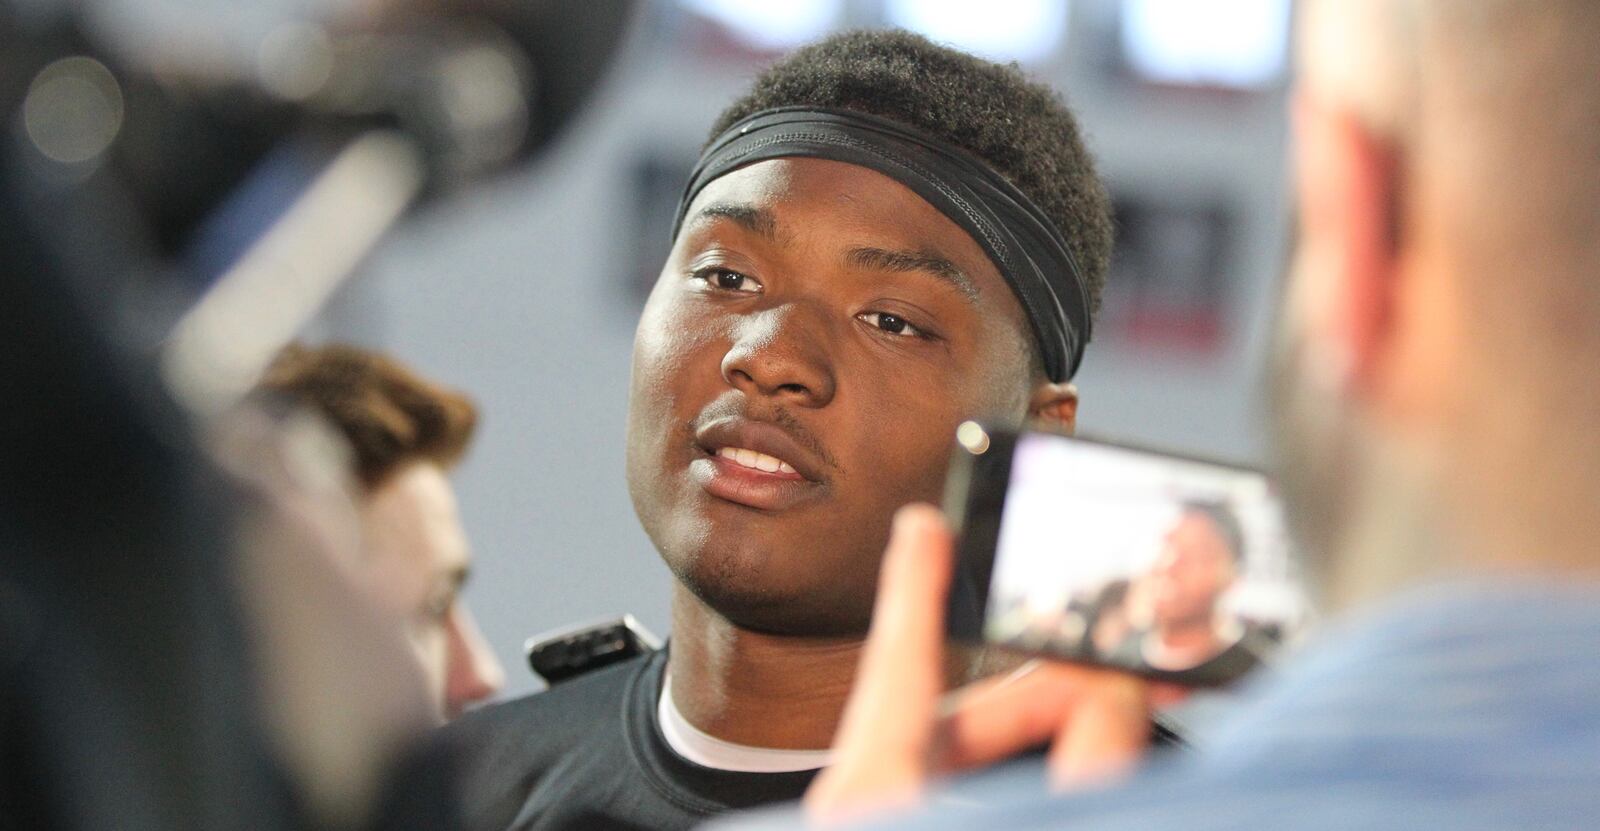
(1171,567)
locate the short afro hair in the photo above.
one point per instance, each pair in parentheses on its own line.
(1021,128)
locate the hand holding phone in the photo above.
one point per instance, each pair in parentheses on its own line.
(901,728)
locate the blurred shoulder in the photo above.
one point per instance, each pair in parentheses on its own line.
(539,720)
(503,752)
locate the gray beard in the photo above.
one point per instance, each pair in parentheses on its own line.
(1313,444)
(1361,507)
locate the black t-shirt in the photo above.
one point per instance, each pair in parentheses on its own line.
(1225,667)
(589,754)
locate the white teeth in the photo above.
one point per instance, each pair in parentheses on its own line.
(757,461)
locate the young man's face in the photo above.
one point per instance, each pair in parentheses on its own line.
(417,558)
(816,336)
(1193,570)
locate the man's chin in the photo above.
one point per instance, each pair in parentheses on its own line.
(768,607)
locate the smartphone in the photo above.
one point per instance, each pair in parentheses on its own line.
(1175,568)
(577,650)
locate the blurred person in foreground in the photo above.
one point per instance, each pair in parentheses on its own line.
(884,238)
(405,433)
(181,642)
(1441,441)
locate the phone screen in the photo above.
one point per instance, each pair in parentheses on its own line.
(1171,567)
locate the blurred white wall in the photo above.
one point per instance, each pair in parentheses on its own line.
(521,295)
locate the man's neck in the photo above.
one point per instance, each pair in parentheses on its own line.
(1418,512)
(1393,536)
(756,689)
(1189,643)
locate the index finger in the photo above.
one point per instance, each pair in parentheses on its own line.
(883,749)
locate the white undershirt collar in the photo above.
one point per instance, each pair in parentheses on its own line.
(709,751)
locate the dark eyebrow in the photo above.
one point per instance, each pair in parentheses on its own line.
(923,261)
(759,220)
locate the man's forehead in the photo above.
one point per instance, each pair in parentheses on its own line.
(775,184)
(873,207)
(758,183)
(416,507)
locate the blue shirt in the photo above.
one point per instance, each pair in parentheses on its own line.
(1462,707)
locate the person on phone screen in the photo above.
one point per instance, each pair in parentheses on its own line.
(1200,559)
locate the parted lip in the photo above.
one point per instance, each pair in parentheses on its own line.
(762,437)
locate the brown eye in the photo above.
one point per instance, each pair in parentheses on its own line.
(890,323)
(725,280)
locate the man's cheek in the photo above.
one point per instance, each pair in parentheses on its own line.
(920,477)
(673,354)
(672,323)
(931,459)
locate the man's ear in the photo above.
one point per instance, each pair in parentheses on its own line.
(1350,202)
(1054,407)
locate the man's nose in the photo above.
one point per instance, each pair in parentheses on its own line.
(474,673)
(782,353)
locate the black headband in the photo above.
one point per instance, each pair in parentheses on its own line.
(1021,241)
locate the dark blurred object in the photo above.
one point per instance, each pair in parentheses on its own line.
(571,652)
(478,84)
(125,698)
(130,675)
